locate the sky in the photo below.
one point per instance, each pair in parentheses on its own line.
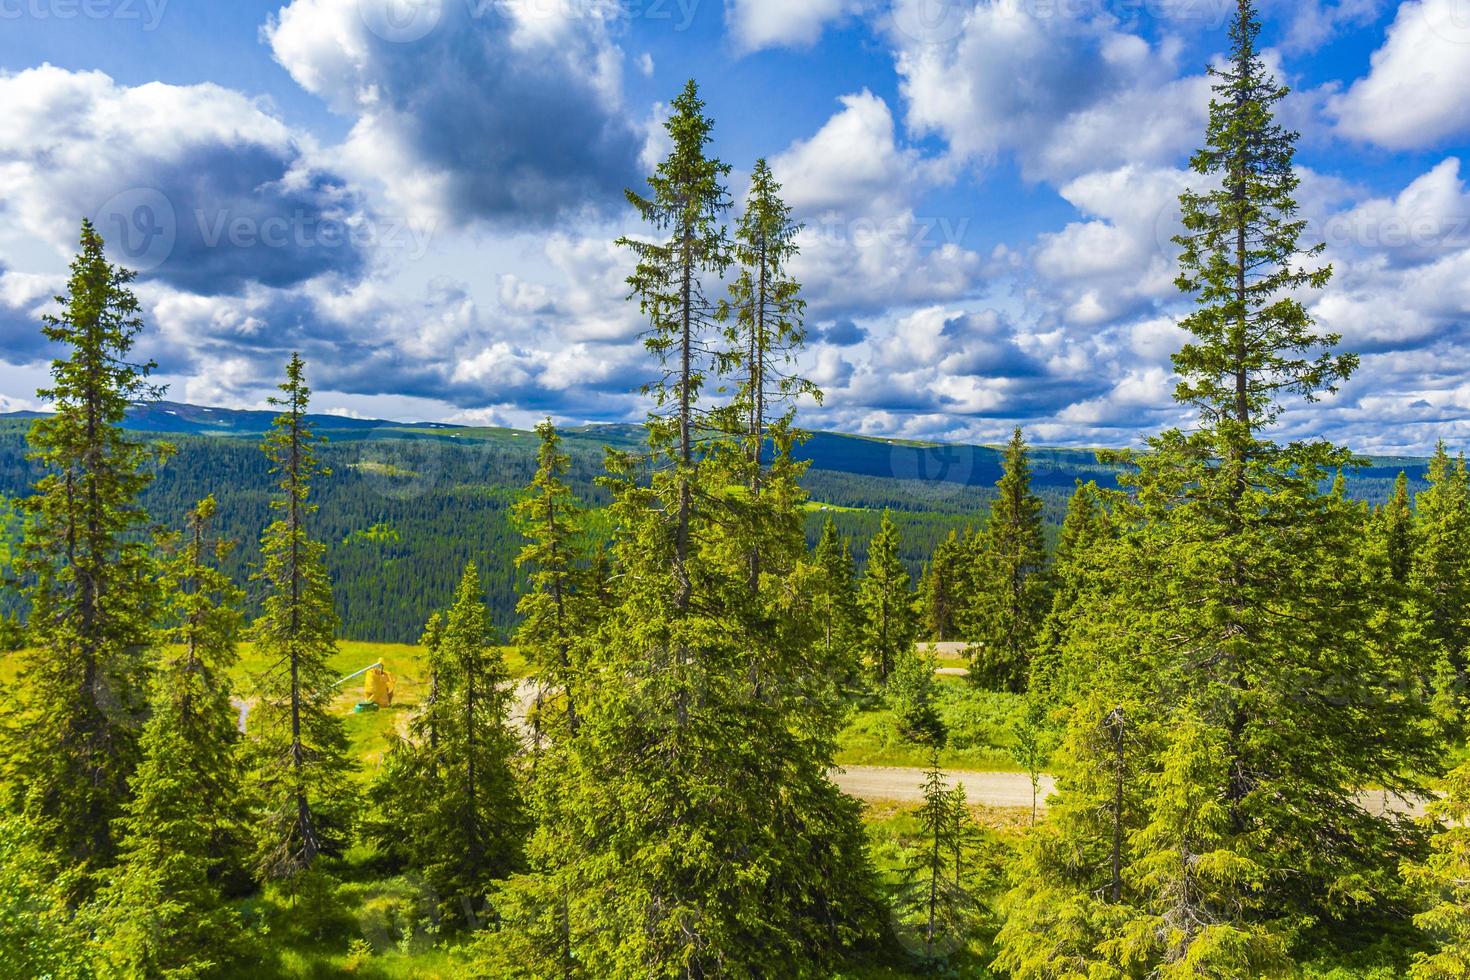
(421,196)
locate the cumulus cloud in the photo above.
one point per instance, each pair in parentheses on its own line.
(507,112)
(864,245)
(1413,96)
(193,185)
(1052,83)
(1120,258)
(757,24)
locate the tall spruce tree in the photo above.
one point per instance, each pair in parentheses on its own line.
(163,911)
(1011,591)
(1396,519)
(686,202)
(1248,606)
(765,314)
(472,831)
(700,833)
(297,748)
(449,804)
(73,739)
(890,623)
(557,610)
(1439,569)
(941,589)
(834,599)
(1086,531)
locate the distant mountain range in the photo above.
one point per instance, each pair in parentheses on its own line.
(166,417)
(905,460)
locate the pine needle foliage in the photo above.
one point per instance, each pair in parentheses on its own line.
(163,910)
(1011,589)
(73,740)
(297,749)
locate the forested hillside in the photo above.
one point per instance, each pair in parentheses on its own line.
(406,505)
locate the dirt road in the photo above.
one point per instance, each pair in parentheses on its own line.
(1013,789)
(892,783)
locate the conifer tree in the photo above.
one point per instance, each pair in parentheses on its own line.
(473,830)
(297,748)
(1443,882)
(686,201)
(1259,616)
(555,610)
(1086,530)
(72,744)
(697,829)
(1397,527)
(449,806)
(1192,876)
(936,898)
(766,327)
(834,597)
(1439,572)
(941,589)
(1011,592)
(913,695)
(40,934)
(889,622)
(163,911)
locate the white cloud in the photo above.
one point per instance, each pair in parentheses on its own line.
(1414,94)
(857,191)
(758,24)
(1051,83)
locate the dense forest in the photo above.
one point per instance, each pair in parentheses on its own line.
(1248,682)
(404,506)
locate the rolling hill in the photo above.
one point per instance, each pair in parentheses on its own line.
(409,503)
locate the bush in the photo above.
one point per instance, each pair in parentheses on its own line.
(913,695)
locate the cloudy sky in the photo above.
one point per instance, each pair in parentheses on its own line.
(421,195)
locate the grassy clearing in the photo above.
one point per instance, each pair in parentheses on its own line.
(981,728)
(366,731)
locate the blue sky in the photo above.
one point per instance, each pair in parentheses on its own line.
(421,195)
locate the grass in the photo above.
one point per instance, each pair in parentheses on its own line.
(366,731)
(981,733)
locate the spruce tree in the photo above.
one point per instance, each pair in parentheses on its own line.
(835,603)
(163,911)
(40,934)
(1236,594)
(913,695)
(889,623)
(1086,531)
(72,743)
(1442,880)
(556,611)
(765,315)
(1397,523)
(1439,569)
(941,589)
(698,832)
(297,748)
(472,830)
(1011,591)
(938,904)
